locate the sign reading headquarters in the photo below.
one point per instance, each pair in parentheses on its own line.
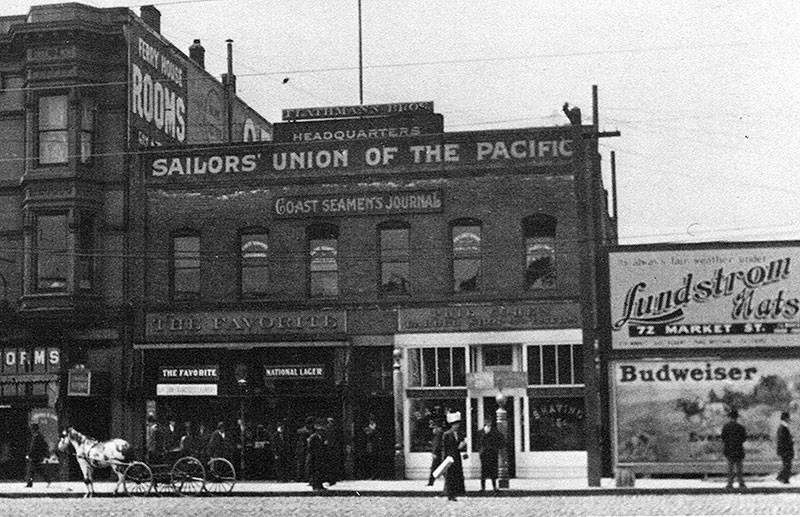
(485,149)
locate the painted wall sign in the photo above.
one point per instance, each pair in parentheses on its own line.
(219,323)
(362,110)
(359,128)
(683,298)
(486,149)
(158,90)
(295,372)
(32,360)
(669,413)
(365,203)
(519,316)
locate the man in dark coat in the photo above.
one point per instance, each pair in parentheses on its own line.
(301,448)
(490,442)
(219,445)
(785,448)
(733,437)
(436,448)
(315,458)
(282,451)
(453,443)
(37,452)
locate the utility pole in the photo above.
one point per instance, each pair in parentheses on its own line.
(360,60)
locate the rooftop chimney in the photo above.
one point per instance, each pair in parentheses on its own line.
(197,53)
(151,17)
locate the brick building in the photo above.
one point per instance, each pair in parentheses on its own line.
(80,89)
(392,272)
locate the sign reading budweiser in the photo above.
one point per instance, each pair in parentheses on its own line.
(362,110)
(691,297)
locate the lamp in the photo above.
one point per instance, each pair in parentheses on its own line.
(502,428)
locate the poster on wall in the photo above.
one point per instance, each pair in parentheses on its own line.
(747,296)
(670,413)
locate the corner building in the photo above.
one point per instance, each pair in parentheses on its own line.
(81,89)
(398,278)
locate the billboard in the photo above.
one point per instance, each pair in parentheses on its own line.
(696,298)
(359,128)
(668,414)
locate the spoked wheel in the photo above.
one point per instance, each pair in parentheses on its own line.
(138,479)
(187,476)
(221,476)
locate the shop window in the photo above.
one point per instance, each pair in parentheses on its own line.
(423,412)
(556,424)
(394,259)
(186,267)
(86,251)
(466,236)
(540,237)
(436,367)
(53,141)
(323,247)
(254,263)
(498,356)
(50,256)
(555,365)
(87,128)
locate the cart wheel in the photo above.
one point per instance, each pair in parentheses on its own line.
(138,479)
(187,476)
(221,476)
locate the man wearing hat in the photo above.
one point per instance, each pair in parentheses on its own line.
(785,448)
(453,442)
(436,447)
(733,437)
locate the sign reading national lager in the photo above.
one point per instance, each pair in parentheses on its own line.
(295,372)
(361,110)
(366,203)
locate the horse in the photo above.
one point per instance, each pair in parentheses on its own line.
(93,454)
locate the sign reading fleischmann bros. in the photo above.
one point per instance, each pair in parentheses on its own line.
(221,323)
(545,148)
(366,203)
(515,316)
(361,110)
(724,297)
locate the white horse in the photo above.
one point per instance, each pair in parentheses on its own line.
(92,454)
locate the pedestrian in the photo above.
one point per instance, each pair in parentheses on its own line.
(489,447)
(281,451)
(453,443)
(154,441)
(315,458)
(38,450)
(733,437)
(172,436)
(189,444)
(333,452)
(262,456)
(301,448)
(436,447)
(785,446)
(372,444)
(219,444)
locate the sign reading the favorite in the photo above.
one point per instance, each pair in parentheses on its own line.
(452,151)
(725,297)
(222,323)
(368,203)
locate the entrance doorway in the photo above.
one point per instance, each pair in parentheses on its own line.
(14,435)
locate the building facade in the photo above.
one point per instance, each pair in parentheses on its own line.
(391,274)
(81,89)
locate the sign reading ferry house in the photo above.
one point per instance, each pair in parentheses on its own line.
(687,296)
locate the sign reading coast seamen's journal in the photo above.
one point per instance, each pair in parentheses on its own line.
(668,413)
(692,297)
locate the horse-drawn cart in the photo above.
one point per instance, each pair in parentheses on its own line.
(186,476)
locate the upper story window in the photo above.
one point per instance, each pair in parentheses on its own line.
(186,267)
(555,364)
(323,266)
(50,256)
(53,141)
(540,251)
(87,128)
(432,367)
(466,236)
(254,263)
(394,259)
(86,251)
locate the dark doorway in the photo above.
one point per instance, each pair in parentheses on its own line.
(490,413)
(14,434)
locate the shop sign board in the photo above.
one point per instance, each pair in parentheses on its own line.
(360,110)
(668,414)
(191,380)
(514,316)
(47,418)
(714,297)
(359,128)
(79,382)
(295,372)
(543,149)
(362,203)
(30,360)
(250,323)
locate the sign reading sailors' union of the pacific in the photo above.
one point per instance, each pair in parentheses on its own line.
(514,316)
(364,203)
(235,323)
(545,148)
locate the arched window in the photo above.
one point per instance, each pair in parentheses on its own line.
(186,266)
(539,232)
(323,265)
(466,235)
(394,257)
(254,263)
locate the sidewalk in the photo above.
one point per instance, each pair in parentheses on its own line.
(418,488)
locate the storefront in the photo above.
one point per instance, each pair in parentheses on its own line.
(462,358)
